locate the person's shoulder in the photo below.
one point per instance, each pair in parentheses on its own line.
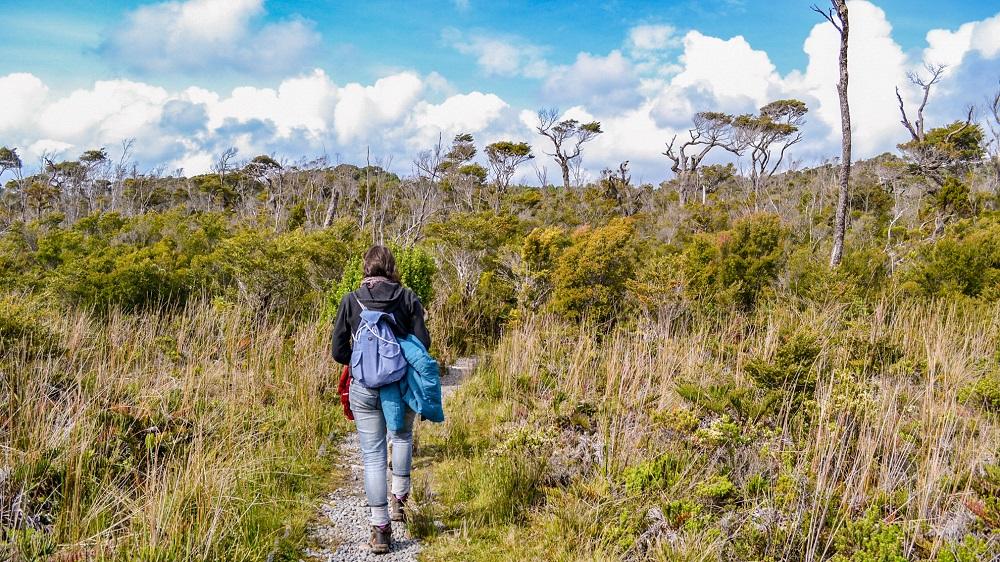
(347,298)
(409,295)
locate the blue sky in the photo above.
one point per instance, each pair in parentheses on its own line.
(492,59)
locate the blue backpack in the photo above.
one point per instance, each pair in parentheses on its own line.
(376,359)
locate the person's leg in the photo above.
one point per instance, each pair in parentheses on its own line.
(402,456)
(371,433)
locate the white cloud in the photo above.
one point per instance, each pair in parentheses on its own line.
(22,94)
(462,112)
(643,93)
(111,111)
(652,37)
(950,47)
(208,36)
(363,110)
(606,82)
(500,55)
(731,69)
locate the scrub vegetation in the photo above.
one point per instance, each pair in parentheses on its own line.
(669,372)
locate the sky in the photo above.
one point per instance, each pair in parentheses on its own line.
(189,78)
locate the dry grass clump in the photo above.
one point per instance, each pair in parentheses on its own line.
(808,433)
(189,435)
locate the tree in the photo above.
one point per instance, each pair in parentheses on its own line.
(504,157)
(266,171)
(9,160)
(568,137)
(460,174)
(840,220)
(711,129)
(940,152)
(712,176)
(768,135)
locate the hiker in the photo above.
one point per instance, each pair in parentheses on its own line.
(380,334)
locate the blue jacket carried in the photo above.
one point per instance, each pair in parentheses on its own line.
(420,389)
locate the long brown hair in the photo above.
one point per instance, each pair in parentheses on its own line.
(379,262)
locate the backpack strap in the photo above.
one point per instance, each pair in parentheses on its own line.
(357,300)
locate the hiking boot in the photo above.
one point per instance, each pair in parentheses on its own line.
(381,539)
(396,511)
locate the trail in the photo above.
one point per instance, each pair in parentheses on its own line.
(341,533)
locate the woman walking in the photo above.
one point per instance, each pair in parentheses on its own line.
(367,320)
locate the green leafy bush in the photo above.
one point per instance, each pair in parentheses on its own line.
(966,261)
(591,276)
(735,266)
(660,473)
(869,540)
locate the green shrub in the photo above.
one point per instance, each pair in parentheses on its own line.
(792,365)
(869,540)
(21,328)
(966,261)
(735,266)
(660,473)
(985,390)
(591,276)
(970,549)
(717,489)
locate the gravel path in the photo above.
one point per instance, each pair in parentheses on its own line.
(342,531)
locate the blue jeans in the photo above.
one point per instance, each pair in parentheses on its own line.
(367,409)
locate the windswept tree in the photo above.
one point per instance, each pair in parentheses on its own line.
(711,129)
(460,175)
(504,157)
(837,16)
(9,160)
(265,171)
(567,136)
(940,152)
(768,136)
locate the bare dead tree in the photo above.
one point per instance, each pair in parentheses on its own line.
(542,174)
(837,16)
(916,128)
(567,136)
(711,130)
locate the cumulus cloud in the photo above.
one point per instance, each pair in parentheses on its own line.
(22,94)
(193,36)
(728,74)
(307,115)
(643,93)
(948,47)
(601,82)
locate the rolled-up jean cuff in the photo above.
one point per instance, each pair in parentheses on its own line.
(400,485)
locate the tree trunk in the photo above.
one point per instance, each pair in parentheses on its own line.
(565,171)
(840,221)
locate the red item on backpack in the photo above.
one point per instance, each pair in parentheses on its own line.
(344,388)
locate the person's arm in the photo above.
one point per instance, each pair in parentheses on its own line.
(342,332)
(419,326)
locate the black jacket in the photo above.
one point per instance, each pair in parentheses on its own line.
(385,296)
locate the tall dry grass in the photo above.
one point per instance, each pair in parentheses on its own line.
(192,435)
(888,426)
